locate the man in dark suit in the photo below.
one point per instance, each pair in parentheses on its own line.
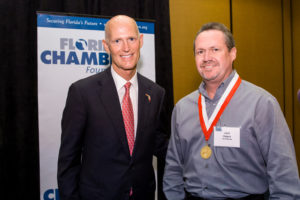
(109,133)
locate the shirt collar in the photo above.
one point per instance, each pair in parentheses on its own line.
(220,89)
(120,81)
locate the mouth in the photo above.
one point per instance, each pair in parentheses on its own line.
(126,56)
(208,65)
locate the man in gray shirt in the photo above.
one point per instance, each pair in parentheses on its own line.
(229,138)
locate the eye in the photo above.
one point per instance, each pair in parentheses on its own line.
(215,49)
(132,39)
(199,52)
(117,41)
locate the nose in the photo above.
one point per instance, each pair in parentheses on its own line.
(207,55)
(126,46)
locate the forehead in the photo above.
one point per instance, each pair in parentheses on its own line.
(210,38)
(122,28)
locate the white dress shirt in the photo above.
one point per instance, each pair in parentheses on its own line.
(120,82)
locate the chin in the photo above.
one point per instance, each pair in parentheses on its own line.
(129,68)
(209,78)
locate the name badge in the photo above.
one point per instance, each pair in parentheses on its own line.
(227,137)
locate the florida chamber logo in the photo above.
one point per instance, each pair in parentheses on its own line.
(51,194)
(89,54)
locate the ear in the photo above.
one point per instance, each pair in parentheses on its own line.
(233,52)
(141,40)
(106,47)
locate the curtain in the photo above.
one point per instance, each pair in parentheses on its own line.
(19,150)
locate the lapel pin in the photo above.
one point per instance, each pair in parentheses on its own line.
(149,97)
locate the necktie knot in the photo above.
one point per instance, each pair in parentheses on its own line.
(127,86)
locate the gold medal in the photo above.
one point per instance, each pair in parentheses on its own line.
(205,152)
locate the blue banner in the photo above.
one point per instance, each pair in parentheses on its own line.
(87,23)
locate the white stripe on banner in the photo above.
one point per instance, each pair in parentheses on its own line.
(69,49)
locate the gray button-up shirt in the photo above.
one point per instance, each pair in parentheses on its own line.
(265,160)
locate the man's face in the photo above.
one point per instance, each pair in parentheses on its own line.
(123,43)
(213,59)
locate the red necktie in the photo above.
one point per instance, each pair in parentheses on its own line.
(127,113)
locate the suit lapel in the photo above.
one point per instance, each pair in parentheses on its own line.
(144,100)
(109,97)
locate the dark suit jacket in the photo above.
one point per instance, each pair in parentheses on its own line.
(94,162)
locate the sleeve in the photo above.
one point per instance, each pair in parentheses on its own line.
(277,147)
(173,183)
(162,130)
(161,141)
(69,158)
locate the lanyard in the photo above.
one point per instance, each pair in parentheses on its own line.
(208,124)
